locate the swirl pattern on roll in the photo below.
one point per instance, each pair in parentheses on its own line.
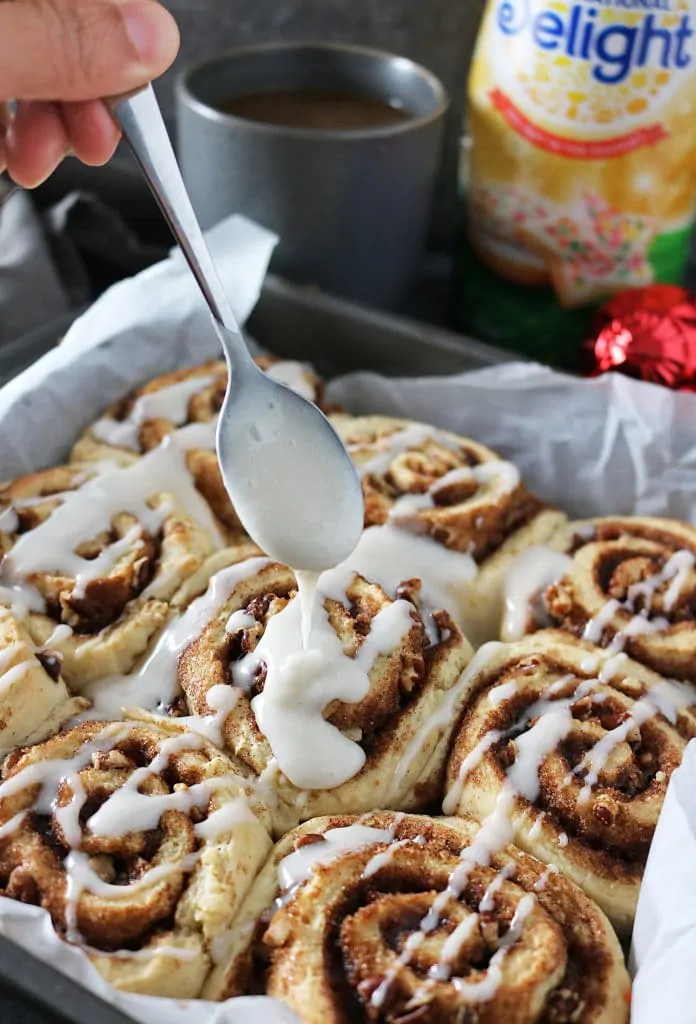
(627,584)
(92,555)
(185,401)
(571,758)
(433,484)
(366,717)
(139,842)
(350,920)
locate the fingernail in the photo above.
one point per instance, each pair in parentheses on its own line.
(151,30)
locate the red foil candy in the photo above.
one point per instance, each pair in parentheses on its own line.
(648,333)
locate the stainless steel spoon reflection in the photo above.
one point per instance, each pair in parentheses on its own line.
(288,475)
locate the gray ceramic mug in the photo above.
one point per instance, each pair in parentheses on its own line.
(351,206)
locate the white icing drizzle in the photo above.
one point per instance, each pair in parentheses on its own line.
(59,634)
(81,878)
(9,520)
(411,946)
(307,584)
(90,510)
(390,446)
(683,563)
(12,825)
(48,775)
(302,682)
(240,620)
(169,403)
(502,692)
(451,948)
(665,697)
(197,435)
(471,761)
(383,859)
(155,682)
(554,721)
(127,810)
(222,699)
(224,820)
(536,827)
(488,903)
(676,569)
(484,990)
(543,881)
(140,812)
(532,572)
(388,555)
(21,600)
(503,475)
(590,664)
(295,376)
(563,840)
(298,866)
(595,627)
(595,759)
(131,543)
(11,676)
(8,654)
(442,716)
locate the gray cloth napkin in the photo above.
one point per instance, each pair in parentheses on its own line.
(62,259)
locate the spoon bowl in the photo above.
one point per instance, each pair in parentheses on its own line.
(288,475)
(284,464)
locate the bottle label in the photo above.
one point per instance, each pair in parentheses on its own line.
(580,169)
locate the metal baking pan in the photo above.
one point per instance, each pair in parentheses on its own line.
(299,323)
(336,336)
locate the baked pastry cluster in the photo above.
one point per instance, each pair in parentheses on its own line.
(461,762)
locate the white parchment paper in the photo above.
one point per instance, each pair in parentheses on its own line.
(664,940)
(594,447)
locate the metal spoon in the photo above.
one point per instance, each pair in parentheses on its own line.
(289,477)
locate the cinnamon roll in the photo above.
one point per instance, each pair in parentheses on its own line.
(139,842)
(445,509)
(570,756)
(625,584)
(187,401)
(357,714)
(92,555)
(396,919)
(34,700)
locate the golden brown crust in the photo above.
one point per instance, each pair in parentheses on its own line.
(407,687)
(611,558)
(34,700)
(454,490)
(165,891)
(600,781)
(334,948)
(115,614)
(467,514)
(29,500)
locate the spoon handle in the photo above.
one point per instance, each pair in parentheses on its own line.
(139,117)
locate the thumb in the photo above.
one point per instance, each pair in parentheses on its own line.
(82,49)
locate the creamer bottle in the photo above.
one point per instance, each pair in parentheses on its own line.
(579,169)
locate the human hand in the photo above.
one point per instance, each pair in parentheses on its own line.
(57,59)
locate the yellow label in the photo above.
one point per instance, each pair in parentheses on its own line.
(583,140)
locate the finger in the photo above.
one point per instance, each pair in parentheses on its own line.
(5,118)
(82,49)
(35,143)
(91,130)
